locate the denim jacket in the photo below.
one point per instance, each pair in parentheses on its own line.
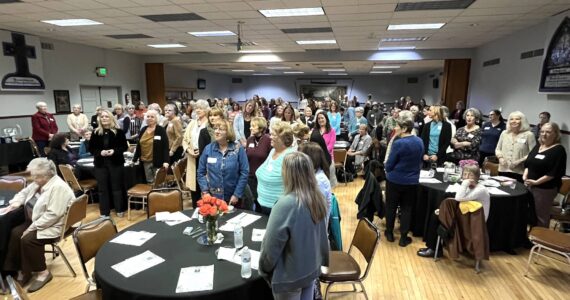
(223,175)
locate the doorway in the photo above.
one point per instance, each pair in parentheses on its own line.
(104,96)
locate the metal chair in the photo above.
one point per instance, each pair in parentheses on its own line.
(76,212)
(179,170)
(85,186)
(550,240)
(88,239)
(343,268)
(164,200)
(18,293)
(340,161)
(141,190)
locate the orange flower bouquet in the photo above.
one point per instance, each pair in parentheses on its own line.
(211,208)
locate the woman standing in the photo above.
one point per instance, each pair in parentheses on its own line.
(295,245)
(107,146)
(324,127)
(544,168)
(257,149)
(152,148)
(174,132)
(277,116)
(94,118)
(77,123)
(235,110)
(269,177)
(223,167)
(402,179)
(334,118)
(289,114)
(514,145)
(242,122)
(436,136)
(191,146)
(135,126)
(122,119)
(490,135)
(467,139)
(322,171)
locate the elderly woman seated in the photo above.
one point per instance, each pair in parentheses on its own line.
(470,190)
(45,202)
(358,151)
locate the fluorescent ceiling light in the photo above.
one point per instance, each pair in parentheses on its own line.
(405,39)
(397,48)
(239,70)
(339,74)
(316,42)
(259,58)
(261,74)
(380,72)
(212,33)
(72,22)
(160,46)
(385,67)
(293,72)
(334,70)
(255,51)
(279,68)
(292,12)
(416,26)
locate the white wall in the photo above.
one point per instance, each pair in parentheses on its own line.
(430,94)
(67,67)
(513,84)
(217,85)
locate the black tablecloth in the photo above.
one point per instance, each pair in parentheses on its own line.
(7,222)
(179,251)
(508,214)
(15,153)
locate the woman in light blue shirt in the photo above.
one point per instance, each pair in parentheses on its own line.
(334,118)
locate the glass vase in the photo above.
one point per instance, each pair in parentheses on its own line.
(212,230)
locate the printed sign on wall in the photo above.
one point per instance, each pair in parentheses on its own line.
(21,67)
(556,66)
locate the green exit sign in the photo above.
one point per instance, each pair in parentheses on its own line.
(101,71)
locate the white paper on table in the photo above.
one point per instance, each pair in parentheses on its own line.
(136,264)
(496,191)
(133,238)
(236,259)
(490,183)
(244,219)
(195,214)
(429,180)
(453,188)
(85,160)
(226,253)
(502,178)
(176,218)
(194,279)
(424,173)
(440,170)
(257,235)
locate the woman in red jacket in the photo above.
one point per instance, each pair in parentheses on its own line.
(43,127)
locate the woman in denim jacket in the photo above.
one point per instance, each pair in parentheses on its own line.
(223,167)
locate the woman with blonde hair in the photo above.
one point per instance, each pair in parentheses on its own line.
(242,121)
(257,148)
(174,132)
(514,145)
(436,136)
(108,143)
(297,225)
(152,148)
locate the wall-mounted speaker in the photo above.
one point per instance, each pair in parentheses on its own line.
(237,80)
(435,83)
(201,84)
(412,80)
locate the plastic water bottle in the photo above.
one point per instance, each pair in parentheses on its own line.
(238,236)
(245,263)
(445,175)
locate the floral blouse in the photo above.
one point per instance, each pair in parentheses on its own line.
(471,152)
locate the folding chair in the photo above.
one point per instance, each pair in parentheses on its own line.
(141,190)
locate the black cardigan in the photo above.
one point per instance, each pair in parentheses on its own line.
(160,148)
(444,140)
(117,142)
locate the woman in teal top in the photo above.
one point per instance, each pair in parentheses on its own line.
(335,118)
(269,178)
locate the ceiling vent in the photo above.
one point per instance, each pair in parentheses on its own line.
(491,62)
(47,46)
(174,17)
(434,5)
(129,36)
(307,30)
(532,53)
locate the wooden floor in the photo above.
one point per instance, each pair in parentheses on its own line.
(397,273)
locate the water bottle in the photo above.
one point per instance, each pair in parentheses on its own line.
(238,236)
(245,263)
(445,175)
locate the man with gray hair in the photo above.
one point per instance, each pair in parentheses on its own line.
(44,126)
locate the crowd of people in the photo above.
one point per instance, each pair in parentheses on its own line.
(283,157)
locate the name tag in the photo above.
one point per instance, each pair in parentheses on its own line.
(269,168)
(539,156)
(169,124)
(470,136)
(361,142)
(251,145)
(521,141)
(372,116)
(439,127)
(52,120)
(487,128)
(212,160)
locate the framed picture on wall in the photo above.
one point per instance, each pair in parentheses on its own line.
(136,97)
(61,100)
(321,91)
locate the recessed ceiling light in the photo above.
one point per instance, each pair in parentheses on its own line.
(474,25)
(167,46)
(397,48)
(385,67)
(293,72)
(380,72)
(292,12)
(405,39)
(259,58)
(212,33)
(334,70)
(316,42)
(337,74)
(72,22)
(279,68)
(416,26)
(240,70)
(255,51)
(261,74)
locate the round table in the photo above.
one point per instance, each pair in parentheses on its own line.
(179,251)
(508,214)
(7,222)
(132,174)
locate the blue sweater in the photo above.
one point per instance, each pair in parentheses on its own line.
(405,160)
(490,136)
